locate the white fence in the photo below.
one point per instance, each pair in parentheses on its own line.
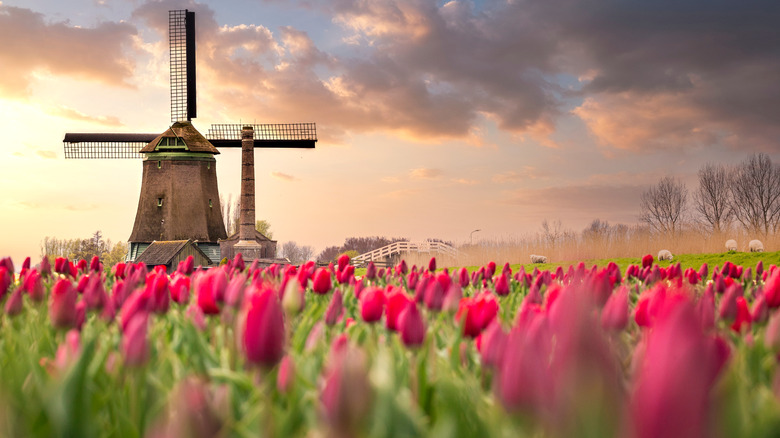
(387,251)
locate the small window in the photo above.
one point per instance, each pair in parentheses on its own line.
(159,202)
(159,164)
(210,204)
(208,165)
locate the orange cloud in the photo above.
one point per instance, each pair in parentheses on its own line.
(28,44)
(284,176)
(425,173)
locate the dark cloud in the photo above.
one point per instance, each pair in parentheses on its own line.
(29,44)
(715,62)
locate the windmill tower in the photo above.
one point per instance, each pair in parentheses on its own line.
(179,197)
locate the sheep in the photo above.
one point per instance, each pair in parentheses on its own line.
(731,245)
(756,246)
(538,258)
(665,254)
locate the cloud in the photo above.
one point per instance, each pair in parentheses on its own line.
(284,176)
(465,181)
(673,74)
(425,173)
(523,174)
(70,113)
(29,44)
(584,200)
(48,155)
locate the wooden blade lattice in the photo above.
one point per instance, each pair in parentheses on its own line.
(181,32)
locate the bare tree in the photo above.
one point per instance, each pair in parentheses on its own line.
(663,205)
(712,200)
(755,191)
(297,254)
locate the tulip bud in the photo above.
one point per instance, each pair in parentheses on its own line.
(321,284)
(411,326)
(263,337)
(135,348)
(13,306)
(335,308)
(292,300)
(286,376)
(33,285)
(62,310)
(372,302)
(614,316)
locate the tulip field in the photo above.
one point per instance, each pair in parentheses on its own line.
(88,350)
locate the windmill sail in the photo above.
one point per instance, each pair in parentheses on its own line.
(181,28)
(106,145)
(270,135)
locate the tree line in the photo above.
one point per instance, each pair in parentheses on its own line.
(746,194)
(84,249)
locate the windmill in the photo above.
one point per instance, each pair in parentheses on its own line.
(179,197)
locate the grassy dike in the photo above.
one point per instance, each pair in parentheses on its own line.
(746,259)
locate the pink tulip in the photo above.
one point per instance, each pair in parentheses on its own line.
(33,285)
(614,316)
(342,262)
(286,376)
(95,265)
(411,326)
(432,265)
(207,288)
(772,290)
(263,337)
(135,344)
(742,320)
(180,289)
(372,302)
(434,295)
(675,380)
(95,295)
(321,283)
(490,269)
(335,308)
(493,344)
(396,303)
(13,306)
(647,261)
(760,312)
(5,280)
(371,271)
(476,313)
(45,267)
(502,286)
(463,275)
(137,303)
(347,395)
(62,310)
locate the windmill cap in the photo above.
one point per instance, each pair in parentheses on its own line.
(193,140)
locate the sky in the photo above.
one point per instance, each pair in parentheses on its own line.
(435,118)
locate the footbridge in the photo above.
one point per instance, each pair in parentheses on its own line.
(391,253)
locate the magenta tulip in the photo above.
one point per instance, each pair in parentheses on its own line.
(263,337)
(411,326)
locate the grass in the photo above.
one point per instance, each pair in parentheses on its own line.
(695,261)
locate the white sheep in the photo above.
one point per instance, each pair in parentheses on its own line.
(538,258)
(731,245)
(756,246)
(665,254)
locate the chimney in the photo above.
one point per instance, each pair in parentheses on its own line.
(246,230)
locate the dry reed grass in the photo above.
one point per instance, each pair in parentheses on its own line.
(572,247)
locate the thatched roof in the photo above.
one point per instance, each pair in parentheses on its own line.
(162,252)
(193,139)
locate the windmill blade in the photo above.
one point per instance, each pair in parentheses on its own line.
(92,145)
(272,135)
(181,34)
